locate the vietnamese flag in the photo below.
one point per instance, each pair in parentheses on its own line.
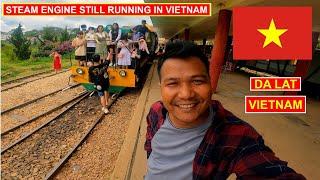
(278,33)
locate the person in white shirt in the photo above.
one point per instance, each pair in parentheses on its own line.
(91,43)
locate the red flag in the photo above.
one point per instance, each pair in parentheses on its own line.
(272,33)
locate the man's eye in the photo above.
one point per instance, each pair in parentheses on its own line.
(198,82)
(172,84)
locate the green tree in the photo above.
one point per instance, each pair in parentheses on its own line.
(73,32)
(65,36)
(31,33)
(48,33)
(21,44)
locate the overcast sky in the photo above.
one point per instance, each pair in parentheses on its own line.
(33,22)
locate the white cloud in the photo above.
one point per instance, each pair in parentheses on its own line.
(6,27)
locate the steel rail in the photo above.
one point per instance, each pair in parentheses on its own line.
(11,87)
(43,125)
(41,115)
(25,77)
(36,99)
(59,165)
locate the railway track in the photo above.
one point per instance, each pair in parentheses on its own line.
(37,108)
(36,99)
(25,77)
(60,164)
(4,132)
(25,82)
(69,123)
(42,151)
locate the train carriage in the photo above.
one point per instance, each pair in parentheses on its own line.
(120,78)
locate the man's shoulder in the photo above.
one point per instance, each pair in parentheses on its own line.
(157,112)
(232,125)
(157,106)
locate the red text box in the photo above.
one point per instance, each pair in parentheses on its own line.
(275,83)
(275,104)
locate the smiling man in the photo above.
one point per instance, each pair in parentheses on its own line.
(190,136)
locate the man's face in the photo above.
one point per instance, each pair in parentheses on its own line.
(186,91)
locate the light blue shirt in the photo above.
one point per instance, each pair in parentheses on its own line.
(173,151)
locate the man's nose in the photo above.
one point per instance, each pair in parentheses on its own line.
(186,91)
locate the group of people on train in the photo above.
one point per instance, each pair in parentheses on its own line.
(100,49)
(115,46)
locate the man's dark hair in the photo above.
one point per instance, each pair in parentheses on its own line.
(182,50)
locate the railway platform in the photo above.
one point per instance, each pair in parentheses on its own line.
(294,138)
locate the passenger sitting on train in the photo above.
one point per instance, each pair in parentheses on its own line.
(124,56)
(99,76)
(143,45)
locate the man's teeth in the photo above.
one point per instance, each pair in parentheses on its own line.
(186,105)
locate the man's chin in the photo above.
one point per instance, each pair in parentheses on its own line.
(186,117)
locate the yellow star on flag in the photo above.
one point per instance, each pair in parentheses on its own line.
(272,34)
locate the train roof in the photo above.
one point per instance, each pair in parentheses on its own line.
(168,27)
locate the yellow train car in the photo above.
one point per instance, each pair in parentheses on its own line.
(121,78)
(118,78)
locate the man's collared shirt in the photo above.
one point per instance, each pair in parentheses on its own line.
(173,150)
(230,145)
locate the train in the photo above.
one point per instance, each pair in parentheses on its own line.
(120,78)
